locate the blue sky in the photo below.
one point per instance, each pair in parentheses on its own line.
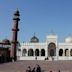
(37,16)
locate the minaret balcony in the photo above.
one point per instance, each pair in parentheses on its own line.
(15,29)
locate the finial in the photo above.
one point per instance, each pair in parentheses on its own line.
(52,32)
(17,13)
(17,9)
(34,34)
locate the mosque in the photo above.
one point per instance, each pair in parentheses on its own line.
(50,50)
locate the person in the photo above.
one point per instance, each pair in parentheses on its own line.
(33,69)
(38,69)
(59,71)
(36,57)
(50,71)
(28,69)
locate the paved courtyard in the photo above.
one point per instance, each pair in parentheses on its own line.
(46,66)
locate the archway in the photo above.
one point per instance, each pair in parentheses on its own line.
(37,52)
(66,52)
(71,52)
(30,52)
(51,49)
(60,52)
(24,52)
(42,52)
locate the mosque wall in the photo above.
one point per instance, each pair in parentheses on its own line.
(49,50)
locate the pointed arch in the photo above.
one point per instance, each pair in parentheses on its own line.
(24,52)
(30,52)
(37,52)
(42,52)
(66,52)
(60,52)
(71,52)
(51,49)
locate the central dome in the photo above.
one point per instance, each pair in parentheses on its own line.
(34,39)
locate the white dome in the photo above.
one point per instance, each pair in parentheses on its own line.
(68,39)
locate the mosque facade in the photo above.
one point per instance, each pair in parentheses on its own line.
(51,49)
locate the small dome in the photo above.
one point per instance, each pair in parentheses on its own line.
(34,39)
(6,41)
(68,39)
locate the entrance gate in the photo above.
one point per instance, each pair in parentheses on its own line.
(51,49)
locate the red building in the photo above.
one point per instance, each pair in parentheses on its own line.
(5,46)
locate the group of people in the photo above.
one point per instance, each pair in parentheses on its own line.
(35,69)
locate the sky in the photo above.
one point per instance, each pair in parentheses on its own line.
(36,16)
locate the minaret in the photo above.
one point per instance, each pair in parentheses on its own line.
(15,35)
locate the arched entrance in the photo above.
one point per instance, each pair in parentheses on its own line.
(51,49)
(60,52)
(42,52)
(71,52)
(66,52)
(30,52)
(37,52)
(24,52)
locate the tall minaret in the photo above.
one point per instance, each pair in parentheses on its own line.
(15,35)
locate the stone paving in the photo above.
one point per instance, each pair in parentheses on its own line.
(46,66)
